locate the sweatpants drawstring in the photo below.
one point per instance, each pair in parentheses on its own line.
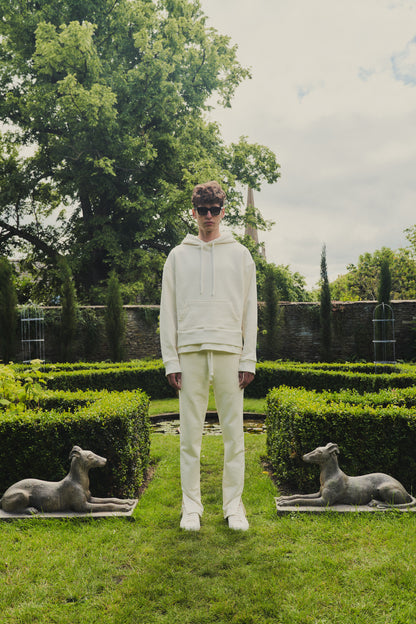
(210,366)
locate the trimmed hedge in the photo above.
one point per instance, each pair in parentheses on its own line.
(149,376)
(373,434)
(333,377)
(37,443)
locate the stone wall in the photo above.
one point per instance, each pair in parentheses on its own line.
(352,332)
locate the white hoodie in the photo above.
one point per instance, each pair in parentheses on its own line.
(209,301)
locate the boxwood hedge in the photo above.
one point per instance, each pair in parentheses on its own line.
(361,377)
(36,443)
(146,375)
(150,377)
(375,433)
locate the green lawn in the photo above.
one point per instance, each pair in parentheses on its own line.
(295,569)
(171,406)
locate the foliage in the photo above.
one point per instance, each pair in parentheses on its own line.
(8,311)
(115,321)
(362,281)
(272,317)
(111,100)
(384,289)
(147,375)
(290,285)
(116,424)
(150,377)
(325,310)
(319,376)
(69,312)
(91,327)
(371,437)
(20,389)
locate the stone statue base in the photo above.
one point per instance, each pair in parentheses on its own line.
(64,515)
(284,511)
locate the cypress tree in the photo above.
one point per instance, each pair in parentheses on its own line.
(69,311)
(8,311)
(271,315)
(384,287)
(115,321)
(325,310)
(383,315)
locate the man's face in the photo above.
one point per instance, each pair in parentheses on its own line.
(208,223)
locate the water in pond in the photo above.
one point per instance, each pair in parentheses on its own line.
(211,426)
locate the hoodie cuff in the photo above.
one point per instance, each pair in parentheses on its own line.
(247,366)
(172,367)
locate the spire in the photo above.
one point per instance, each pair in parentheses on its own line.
(251,229)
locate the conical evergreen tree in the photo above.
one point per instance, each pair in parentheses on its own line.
(115,321)
(384,288)
(8,311)
(69,312)
(271,316)
(325,310)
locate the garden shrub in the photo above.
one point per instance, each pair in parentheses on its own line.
(373,435)
(149,375)
(115,425)
(362,378)
(21,387)
(146,375)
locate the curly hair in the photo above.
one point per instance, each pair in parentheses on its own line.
(208,193)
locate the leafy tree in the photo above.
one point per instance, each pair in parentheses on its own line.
(111,98)
(325,309)
(8,311)
(290,285)
(362,281)
(69,312)
(115,321)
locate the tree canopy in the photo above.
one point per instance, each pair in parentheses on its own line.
(363,279)
(105,131)
(290,285)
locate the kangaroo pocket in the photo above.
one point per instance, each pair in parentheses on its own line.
(215,321)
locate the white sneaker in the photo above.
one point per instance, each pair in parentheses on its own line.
(190,521)
(238,521)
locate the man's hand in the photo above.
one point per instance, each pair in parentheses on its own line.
(245,378)
(175,380)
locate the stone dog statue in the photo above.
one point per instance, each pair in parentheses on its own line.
(376,489)
(32,496)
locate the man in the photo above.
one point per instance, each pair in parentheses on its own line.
(208,325)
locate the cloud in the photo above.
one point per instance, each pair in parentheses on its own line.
(404,64)
(334,95)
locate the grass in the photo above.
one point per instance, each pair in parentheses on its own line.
(171,406)
(295,569)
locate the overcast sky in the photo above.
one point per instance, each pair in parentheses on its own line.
(333,94)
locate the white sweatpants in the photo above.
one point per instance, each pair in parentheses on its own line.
(199,370)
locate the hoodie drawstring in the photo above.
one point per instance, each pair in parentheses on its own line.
(201,268)
(201,271)
(212,270)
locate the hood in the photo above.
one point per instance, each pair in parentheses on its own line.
(225,238)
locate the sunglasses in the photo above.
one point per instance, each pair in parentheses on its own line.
(203,210)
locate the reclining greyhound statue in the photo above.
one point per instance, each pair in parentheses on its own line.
(376,489)
(32,496)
